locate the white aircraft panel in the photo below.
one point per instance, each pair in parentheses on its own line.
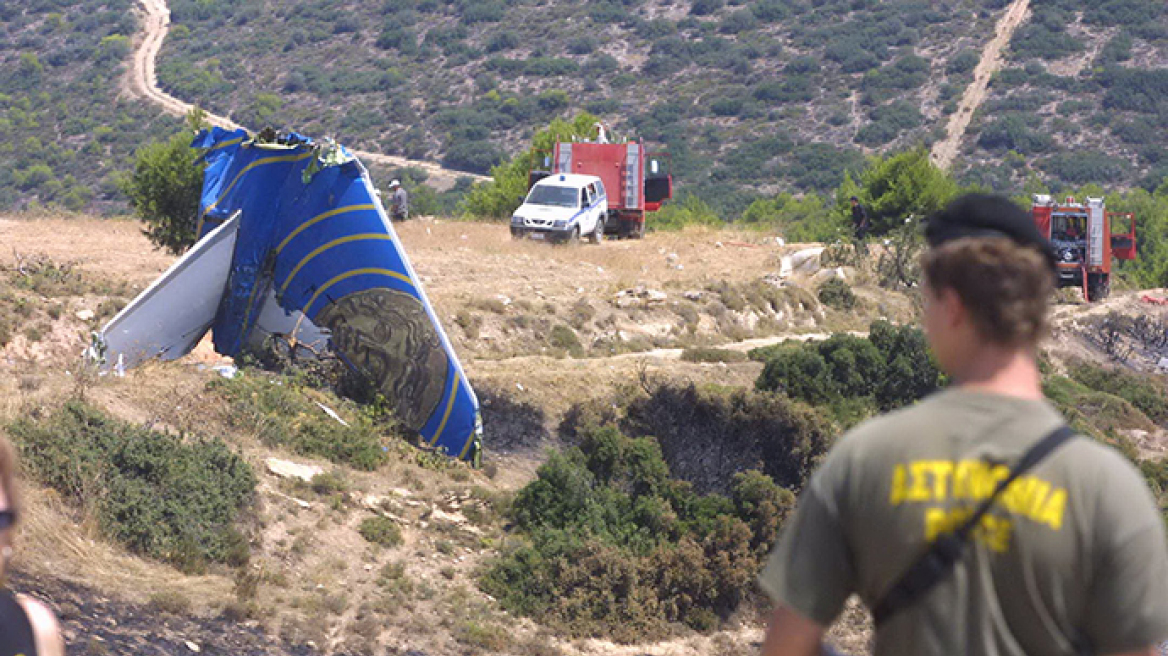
(168,319)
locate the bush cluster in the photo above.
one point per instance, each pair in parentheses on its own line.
(853,376)
(837,294)
(163,496)
(613,546)
(284,411)
(709,434)
(1146,393)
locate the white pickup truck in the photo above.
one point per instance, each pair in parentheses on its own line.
(563,208)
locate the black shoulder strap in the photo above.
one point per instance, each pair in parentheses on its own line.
(931,567)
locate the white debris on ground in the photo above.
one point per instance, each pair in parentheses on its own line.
(289,469)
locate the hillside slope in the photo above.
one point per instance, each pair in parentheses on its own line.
(750,97)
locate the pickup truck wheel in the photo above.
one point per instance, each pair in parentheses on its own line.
(574,238)
(597,235)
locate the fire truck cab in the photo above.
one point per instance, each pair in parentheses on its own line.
(1083,241)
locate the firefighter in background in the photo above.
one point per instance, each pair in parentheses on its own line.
(860,224)
(399,208)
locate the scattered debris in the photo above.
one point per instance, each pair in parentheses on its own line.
(823,275)
(289,469)
(807,260)
(192,646)
(1154,301)
(228,371)
(332,413)
(85,315)
(639,295)
(694,295)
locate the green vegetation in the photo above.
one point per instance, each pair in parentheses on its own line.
(286,411)
(499,197)
(712,355)
(837,294)
(466,83)
(165,186)
(615,547)
(381,531)
(1147,393)
(1114,91)
(853,376)
(161,495)
(66,129)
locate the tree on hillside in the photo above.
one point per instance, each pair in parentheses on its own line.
(900,186)
(164,188)
(499,197)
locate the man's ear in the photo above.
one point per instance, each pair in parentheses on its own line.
(953,310)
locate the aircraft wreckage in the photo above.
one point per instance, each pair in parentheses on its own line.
(294,242)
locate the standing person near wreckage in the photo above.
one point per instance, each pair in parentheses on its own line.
(909,512)
(399,207)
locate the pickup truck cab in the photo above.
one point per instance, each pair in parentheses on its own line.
(563,208)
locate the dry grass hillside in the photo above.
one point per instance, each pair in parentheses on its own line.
(349,556)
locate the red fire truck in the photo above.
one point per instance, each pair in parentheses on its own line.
(635,180)
(1082,236)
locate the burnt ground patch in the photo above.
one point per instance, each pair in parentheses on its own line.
(97,624)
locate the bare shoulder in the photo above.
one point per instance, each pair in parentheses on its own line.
(45,627)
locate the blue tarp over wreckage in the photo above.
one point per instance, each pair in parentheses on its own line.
(313,231)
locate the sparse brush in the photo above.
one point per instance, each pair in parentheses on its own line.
(488,305)
(170,601)
(381,531)
(160,495)
(712,355)
(470,323)
(329,483)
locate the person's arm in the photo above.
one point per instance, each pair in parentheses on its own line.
(46,631)
(791,634)
(810,573)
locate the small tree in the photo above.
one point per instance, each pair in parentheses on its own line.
(499,197)
(165,185)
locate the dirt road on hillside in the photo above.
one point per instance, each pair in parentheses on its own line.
(945,151)
(143,82)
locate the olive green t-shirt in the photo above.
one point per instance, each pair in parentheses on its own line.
(1072,551)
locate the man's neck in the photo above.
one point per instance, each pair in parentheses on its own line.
(1002,370)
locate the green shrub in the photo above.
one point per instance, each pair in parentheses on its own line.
(283,411)
(614,547)
(1144,392)
(381,531)
(712,355)
(853,376)
(164,190)
(160,495)
(837,294)
(963,62)
(563,337)
(707,435)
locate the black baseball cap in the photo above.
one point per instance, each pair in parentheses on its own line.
(987,215)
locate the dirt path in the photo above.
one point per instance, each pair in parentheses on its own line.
(945,151)
(143,82)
